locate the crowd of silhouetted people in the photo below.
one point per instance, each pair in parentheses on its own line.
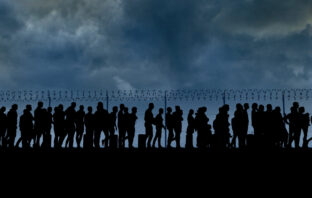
(269,127)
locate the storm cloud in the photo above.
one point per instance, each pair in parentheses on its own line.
(155,44)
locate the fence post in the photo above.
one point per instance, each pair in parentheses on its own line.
(283,99)
(49,98)
(224,97)
(165,118)
(107,100)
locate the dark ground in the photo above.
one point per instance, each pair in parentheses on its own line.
(154,170)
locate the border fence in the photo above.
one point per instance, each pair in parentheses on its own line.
(187,95)
(189,98)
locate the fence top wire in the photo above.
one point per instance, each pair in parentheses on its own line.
(154,95)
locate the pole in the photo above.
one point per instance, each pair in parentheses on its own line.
(49,98)
(283,98)
(107,100)
(165,119)
(224,97)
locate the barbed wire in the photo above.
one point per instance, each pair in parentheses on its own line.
(86,95)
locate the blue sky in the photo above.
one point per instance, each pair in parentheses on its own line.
(166,44)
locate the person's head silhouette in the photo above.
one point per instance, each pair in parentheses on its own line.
(169,109)
(151,106)
(28,107)
(301,110)
(3,109)
(14,107)
(134,110)
(115,109)
(269,107)
(89,109)
(254,106)
(60,107)
(246,106)
(40,104)
(73,105)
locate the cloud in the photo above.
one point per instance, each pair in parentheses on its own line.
(155,44)
(265,18)
(122,84)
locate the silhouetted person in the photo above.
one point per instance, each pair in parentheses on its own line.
(304,123)
(149,121)
(26,127)
(245,125)
(131,131)
(3,126)
(38,127)
(169,125)
(221,127)
(203,129)
(89,123)
(159,126)
(255,119)
(121,126)
(80,116)
(177,127)
(190,129)
(269,132)
(238,126)
(100,116)
(70,117)
(47,125)
(280,135)
(105,128)
(261,116)
(12,125)
(59,126)
(112,125)
(292,121)
(126,117)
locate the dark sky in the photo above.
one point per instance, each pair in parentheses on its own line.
(123,44)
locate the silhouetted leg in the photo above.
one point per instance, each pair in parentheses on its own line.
(130,138)
(106,140)
(149,135)
(79,135)
(111,135)
(97,136)
(191,140)
(149,139)
(61,140)
(77,139)
(170,137)
(121,138)
(188,140)
(38,137)
(56,141)
(240,141)
(178,135)
(297,139)
(12,141)
(233,143)
(24,142)
(18,142)
(159,139)
(305,135)
(155,138)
